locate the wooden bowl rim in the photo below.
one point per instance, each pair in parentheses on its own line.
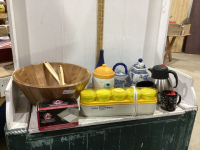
(58,86)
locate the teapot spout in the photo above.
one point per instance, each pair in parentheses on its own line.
(150,69)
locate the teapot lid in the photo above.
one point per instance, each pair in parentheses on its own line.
(160,72)
(120,74)
(103,72)
(139,65)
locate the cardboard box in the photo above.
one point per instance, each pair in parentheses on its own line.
(3,18)
(1,2)
(5,50)
(3,15)
(57,114)
(174,29)
(3,31)
(2,100)
(7,27)
(6,69)
(186,29)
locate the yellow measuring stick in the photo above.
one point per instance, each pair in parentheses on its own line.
(100,26)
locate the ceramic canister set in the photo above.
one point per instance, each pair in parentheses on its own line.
(105,77)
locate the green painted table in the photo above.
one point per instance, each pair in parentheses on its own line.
(160,133)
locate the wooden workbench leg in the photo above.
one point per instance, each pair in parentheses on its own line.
(170,53)
(169,46)
(167,52)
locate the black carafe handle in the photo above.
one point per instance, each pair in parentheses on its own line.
(175,76)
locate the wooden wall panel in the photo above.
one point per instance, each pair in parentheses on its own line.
(179,11)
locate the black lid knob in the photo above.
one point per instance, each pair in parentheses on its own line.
(159,72)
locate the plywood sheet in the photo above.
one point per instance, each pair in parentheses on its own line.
(179,11)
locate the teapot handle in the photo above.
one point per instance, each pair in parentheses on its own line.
(175,76)
(122,64)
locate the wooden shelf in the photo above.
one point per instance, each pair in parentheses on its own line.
(179,35)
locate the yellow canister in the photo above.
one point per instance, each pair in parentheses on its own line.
(88,96)
(2,8)
(103,77)
(118,94)
(148,93)
(130,92)
(103,95)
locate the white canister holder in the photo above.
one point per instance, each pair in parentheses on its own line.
(121,78)
(122,108)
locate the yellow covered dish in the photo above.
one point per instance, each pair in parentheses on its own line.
(118,94)
(130,92)
(88,96)
(103,95)
(148,93)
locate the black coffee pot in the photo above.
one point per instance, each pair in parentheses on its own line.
(160,77)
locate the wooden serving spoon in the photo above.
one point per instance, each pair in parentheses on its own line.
(52,71)
(61,75)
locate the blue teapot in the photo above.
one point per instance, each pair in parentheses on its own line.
(121,79)
(138,73)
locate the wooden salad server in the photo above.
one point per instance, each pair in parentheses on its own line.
(61,75)
(52,71)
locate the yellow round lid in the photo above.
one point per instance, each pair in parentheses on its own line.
(130,91)
(103,92)
(148,91)
(88,93)
(103,72)
(118,91)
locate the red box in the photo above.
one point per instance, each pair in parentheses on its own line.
(57,114)
(5,51)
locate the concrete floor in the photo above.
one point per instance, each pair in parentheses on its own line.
(190,64)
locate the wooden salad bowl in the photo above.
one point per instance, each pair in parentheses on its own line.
(38,84)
